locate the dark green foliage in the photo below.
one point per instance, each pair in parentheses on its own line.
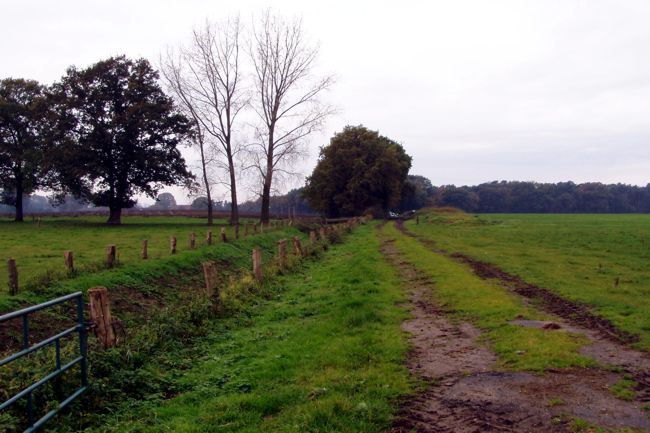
(23,114)
(117,134)
(533,197)
(417,192)
(358,171)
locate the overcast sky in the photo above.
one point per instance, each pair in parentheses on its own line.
(474,90)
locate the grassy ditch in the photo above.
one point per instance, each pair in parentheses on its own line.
(158,307)
(320,352)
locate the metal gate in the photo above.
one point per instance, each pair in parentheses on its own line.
(59,369)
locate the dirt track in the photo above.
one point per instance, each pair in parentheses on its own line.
(463,393)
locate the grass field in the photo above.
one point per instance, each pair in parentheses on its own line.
(39,250)
(319,348)
(322,354)
(600,260)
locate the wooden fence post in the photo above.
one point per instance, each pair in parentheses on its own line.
(246,229)
(257,264)
(111,253)
(210,274)
(100,315)
(223,234)
(321,234)
(13,277)
(297,246)
(208,237)
(145,249)
(68,260)
(282,253)
(192,240)
(312,237)
(172,244)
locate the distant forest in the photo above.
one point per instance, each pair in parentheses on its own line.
(418,192)
(533,197)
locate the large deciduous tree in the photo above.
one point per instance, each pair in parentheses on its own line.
(358,171)
(286,99)
(205,79)
(23,110)
(118,134)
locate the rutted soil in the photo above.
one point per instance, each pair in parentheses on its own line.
(569,310)
(463,394)
(609,344)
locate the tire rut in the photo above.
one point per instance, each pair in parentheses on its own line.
(463,394)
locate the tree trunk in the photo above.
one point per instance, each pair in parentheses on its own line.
(210,210)
(19,203)
(266,199)
(115,217)
(205,178)
(234,207)
(19,194)
(268,179)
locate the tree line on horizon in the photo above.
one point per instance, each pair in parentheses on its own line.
(246,98)
(516,197)
(536,197)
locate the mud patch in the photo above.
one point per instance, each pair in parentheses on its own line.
(522,402)
(440,348)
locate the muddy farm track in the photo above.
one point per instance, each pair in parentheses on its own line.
(463,392)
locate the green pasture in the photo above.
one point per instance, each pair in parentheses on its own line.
(600,260)
(38,251)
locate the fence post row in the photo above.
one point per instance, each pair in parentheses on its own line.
(210,275)
(145,248)
(111,254)
(208,237)
(68,260)
(13,276)
(297,246)
(172,245)
(223,234)
(257,264)
(282,254)
(100,314)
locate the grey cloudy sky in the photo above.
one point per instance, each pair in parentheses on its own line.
(474,90)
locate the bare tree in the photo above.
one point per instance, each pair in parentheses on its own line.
(206,79)
(286,98)
(175,79)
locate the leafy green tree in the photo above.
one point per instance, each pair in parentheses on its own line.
(359,170)
(23,115)
(165,200)
(417,192)
(200,202)
(118,134)
(460,198)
